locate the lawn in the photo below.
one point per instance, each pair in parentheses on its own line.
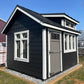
(6,78)
(77,77)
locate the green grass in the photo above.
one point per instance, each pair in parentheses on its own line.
(6,78)
(77,77)
(74,78)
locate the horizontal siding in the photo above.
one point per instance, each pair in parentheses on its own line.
(69,60)
(34,67)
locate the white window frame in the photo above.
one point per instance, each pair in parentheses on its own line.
(63,23)
(21,46)
(69,50)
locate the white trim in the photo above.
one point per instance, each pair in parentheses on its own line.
(21,46)
(44,67)
(17,8)
(77,51)
(72,42)
(61,16)
(49,65)
(8,21)
(6,53)
(37,20)
(63,23)
(61,51)
(59,28)
(69,50)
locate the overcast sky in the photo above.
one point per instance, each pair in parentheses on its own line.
(74,8)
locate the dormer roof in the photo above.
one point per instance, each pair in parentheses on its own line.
(64,15)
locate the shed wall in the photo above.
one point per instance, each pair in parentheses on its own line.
(69,58)
(34,67)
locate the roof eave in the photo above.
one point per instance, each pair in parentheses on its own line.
(62,15)
(37,20)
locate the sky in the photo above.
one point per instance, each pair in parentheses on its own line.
(73,8)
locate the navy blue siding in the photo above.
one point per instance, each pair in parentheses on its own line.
(34,67)
(69,60)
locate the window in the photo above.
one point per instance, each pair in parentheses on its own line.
(4,44)
(69,43)
(66,41)
(21,46)
(55,36)
(72,25)
(18,48)
(68,24)
(73,41)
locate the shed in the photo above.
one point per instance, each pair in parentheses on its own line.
(41,45)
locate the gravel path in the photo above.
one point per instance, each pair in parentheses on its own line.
(35,80)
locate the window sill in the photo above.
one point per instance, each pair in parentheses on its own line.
(22,60)
(68,51)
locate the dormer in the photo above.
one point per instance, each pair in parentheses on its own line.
(69,24)
(62,19)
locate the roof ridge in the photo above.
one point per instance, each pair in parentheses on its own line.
(59,14)
(35,16)
(38,14)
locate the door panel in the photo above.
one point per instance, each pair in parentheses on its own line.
(55,47)
(55,61)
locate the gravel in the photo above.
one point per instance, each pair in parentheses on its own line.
(35,80)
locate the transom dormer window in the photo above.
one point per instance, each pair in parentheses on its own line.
(72,25)
(68,24)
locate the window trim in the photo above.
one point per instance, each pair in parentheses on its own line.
(21,48)
(69,50)
(63,23)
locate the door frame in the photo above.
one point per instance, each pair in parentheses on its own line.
(49,64)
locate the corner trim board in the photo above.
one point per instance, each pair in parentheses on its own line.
(48,54)
(61,51)
(44,58)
